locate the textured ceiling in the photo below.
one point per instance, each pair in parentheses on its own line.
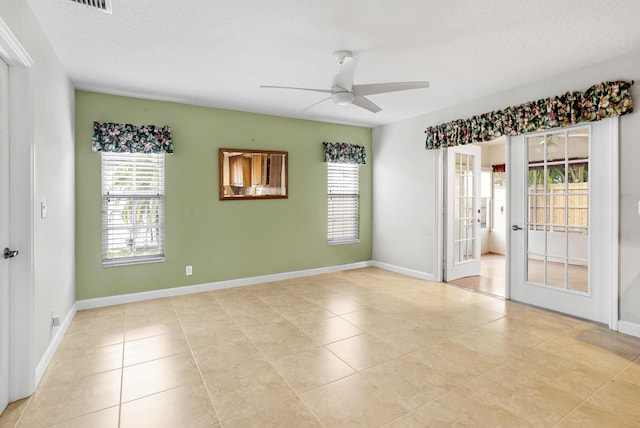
(218,52)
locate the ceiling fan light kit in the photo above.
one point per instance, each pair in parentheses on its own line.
(344,92)
(342,98)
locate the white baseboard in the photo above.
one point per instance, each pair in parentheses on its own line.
(630,328)
(219,285)
(404,271)
(44,362)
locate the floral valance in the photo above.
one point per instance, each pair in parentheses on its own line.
(607,99)
(115,137)
(344,153)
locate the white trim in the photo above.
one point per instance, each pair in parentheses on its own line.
(10,48)
(22,215)
(41,368)
(614,224)
(507,219)
(404,271)
(630,328)
(210,286)
(438,221)
(5,265)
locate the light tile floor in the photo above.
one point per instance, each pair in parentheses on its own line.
(358,348)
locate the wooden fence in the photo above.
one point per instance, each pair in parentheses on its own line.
(565,205)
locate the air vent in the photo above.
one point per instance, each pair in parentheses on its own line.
(103,5)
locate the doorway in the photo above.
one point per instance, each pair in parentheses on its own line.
(483,188)
(550,246)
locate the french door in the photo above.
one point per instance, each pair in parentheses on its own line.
(462,207)
(562,191)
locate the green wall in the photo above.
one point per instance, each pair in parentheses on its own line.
(222,240)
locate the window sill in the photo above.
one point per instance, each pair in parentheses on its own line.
(346,241)
(135,261)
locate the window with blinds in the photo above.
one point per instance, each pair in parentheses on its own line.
(343,200)
(132,208)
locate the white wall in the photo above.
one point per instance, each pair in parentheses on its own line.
(403,197)
(629,216)
(51,111)
(495,155)
(403,231)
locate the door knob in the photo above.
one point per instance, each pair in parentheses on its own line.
(9,254)
(516,227)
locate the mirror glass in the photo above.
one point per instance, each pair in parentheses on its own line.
(253,174)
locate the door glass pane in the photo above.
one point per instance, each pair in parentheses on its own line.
(535,242)
(536,148)
(558,210)
(555,267)
(554,182)
(556,242)
(578,147)
(499,200)
(464,238)
(536,179)
(470,255)
(535,269)
(577,172)
(578,243)
(556,146)
(578,275)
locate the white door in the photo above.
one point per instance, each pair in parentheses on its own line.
(4,238)
(562,193)
(462,208)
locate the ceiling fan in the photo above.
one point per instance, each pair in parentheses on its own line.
(344,92)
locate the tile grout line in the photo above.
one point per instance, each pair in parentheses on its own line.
(267,359)
(124,344)
(559,333)
(356,371)
(597,390)
(359,372)
(404,354)
(23,410)
(186,338)
(567,332)
(444,338)
(485,373)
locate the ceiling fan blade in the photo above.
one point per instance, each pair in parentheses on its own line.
(347,72)
(315,104)
(366,104)
(381,88)
(327,91)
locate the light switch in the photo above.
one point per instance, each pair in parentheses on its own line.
(43,209)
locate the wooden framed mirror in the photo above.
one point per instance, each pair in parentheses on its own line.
(253,174)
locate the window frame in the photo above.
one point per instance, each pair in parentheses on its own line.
(337,233)
(154,191)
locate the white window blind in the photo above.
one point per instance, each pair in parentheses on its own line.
(132,208)
(343,200)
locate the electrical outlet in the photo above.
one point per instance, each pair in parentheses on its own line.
(55,319)
(189,270)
